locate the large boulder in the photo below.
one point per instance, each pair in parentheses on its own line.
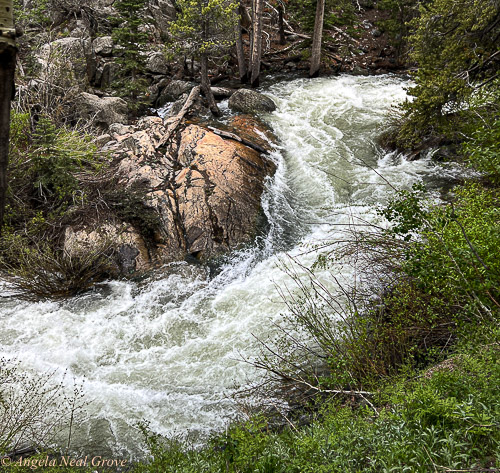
(163,13)
(103,46)
(102,110)
(250,101)
(67,63)
(207,190)
(157,63)
(218,192)
(204,190)
(125,244)
(173,90)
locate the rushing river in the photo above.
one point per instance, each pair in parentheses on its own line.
(169,350)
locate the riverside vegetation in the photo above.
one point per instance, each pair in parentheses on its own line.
(403,374)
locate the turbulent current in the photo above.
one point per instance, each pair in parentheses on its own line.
(168,350)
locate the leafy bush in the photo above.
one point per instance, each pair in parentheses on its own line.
(456,257)
(482,150)
(448,419)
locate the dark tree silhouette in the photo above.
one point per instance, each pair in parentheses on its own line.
(8,52)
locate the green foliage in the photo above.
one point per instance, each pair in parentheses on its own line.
(402,12)
(47,164)
(447,419)
(44,162)
(129,35)
(454,43)
(57,155)
(35,15)
(455,254)
(483,151)
(406,211)
(204,26)
(337,13)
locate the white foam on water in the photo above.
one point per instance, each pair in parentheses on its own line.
(169,350)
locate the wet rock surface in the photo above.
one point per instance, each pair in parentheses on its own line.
(218,191)
(204,190)
(249,101)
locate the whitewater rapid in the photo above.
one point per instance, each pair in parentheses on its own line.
(169,350)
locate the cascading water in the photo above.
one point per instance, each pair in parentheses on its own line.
(169,350)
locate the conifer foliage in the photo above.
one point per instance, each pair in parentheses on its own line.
(455,44)
(129,34)
(205,29)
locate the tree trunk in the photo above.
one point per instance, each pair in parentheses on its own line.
(250,37)
(256,41)
(7,68)
(246,19)
(317,36)
(205,86)
(240,53)
(281,25)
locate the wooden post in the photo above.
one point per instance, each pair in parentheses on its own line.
(8,52)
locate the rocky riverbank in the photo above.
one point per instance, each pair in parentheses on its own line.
(188,192)
(202,189)
(73,54)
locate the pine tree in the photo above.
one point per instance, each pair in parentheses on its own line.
(129,35)
(455,44)
(205,28)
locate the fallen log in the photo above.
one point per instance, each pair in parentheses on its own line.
(223,92)
(232,136)
(288,48)
(173,122)
(299,35)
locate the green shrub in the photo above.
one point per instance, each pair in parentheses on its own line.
(457,254)
(482,150)
(47,170)
(45,161)
(446,419)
